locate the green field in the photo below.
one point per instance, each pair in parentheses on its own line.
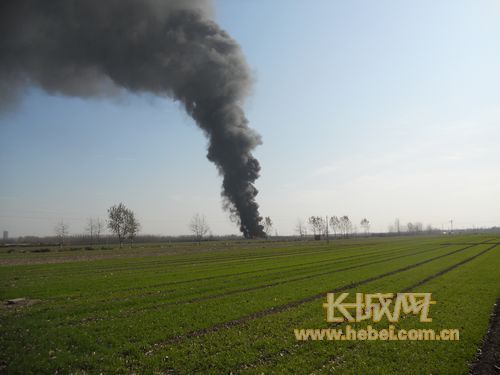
(222,307)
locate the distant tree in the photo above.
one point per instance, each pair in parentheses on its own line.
(365,224)
(98,228)
(312,223)
(419,227)
(317,224)
(94,228)
(345,225)
(122,222)
(268,225)
(61,230)
(335,225)
(414,228)
(397,226)
(132,226)
(199,226)
(89,229)
(116,221)
(301,228)
(410,228)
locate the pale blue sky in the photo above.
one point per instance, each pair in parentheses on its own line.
(379,109)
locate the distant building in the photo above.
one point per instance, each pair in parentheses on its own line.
(5,235)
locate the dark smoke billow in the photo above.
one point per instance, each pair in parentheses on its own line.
(170,48)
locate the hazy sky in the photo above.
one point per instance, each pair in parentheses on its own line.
(371,109)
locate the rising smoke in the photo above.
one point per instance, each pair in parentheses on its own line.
(165,47)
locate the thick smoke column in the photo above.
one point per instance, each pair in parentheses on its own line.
(169,48)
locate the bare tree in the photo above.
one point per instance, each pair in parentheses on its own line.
(132,226)
(94,228)
(98,228)
(365,224)
(317,224)
(268,225)
(116,221)
(89,229)
(122,222)
(335,225)
(301,228)
(414,228)
(397,226)
(199,226)
(61,230)
(410,228)
(345,225)
(419,227)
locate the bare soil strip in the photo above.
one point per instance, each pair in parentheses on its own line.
(293,304)
(488,360)
(187,249)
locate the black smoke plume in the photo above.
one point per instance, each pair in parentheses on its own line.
(164,47)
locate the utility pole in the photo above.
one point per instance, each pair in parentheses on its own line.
(451,226)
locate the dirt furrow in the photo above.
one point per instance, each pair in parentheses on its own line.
(488,359)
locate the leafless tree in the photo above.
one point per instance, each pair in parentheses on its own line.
(419,227)
(116,221)
(268,225)
(317,224)
(90,229)
(132,226)
(94,228)
(365,224)
(122,222)
(414,228)
(397,226)
(345,225)
(335,225)
(199,226)
(98,228)
(409,227)
(301,228)
(61,230)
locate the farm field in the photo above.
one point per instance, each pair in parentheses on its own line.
(232,307)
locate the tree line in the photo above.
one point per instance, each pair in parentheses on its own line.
(335,226)
(124,225)
(121,221)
